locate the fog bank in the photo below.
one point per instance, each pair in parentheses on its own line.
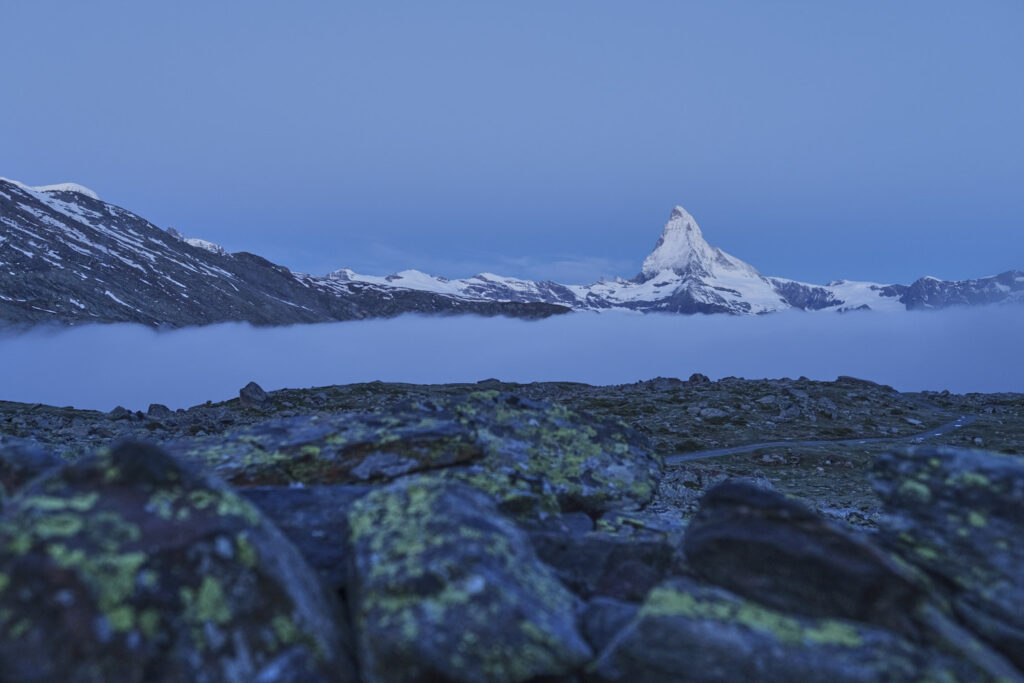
(100,366)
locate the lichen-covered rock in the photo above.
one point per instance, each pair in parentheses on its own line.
(443,587)
(959,515)
(20,461)
(530,456)
(688,632)
(765,546)
(601,563)
(314,520)
(127,566)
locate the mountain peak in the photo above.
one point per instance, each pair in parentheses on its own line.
(683,250)
(60,187)
(680,248)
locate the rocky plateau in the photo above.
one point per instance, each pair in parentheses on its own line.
(691,530)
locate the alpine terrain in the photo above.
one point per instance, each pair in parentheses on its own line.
(67,256)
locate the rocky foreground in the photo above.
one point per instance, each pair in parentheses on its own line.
(554,532)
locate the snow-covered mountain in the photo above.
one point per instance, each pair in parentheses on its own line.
(68,256)
(685,274)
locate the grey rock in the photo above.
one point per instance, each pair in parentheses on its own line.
(443,587)
(314,519)
(159,411)
(958,514)
(253,396)
(127,566)
(766,547)
(688,632)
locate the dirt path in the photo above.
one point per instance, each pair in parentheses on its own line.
(961,421)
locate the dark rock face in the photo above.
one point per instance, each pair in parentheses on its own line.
(442,587)
(959,516)
(314,519)
(805,297)
(531,456)
(253,396)
(71,258)
(599,563)
(128,567)
(688,632)
(20,461)
(929,292)
(478,535)
(764,546)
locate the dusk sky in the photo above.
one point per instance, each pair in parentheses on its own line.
(876,141)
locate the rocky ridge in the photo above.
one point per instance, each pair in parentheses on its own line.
(515,532)
(66,256)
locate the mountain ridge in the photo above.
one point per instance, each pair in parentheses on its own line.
(67,256)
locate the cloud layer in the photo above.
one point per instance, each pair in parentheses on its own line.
(103,366)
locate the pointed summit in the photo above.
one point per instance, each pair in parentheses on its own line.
(683,250)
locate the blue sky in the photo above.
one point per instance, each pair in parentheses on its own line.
(861,140)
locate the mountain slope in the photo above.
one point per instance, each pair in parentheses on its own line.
(67,256)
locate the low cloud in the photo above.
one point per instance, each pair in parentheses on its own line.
(102,366)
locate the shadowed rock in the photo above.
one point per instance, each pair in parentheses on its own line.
(253,396)
(959,515)
(767,547)
(688,632)
(532,457)
(443,587)
(129,567)
(314,519)
(20,461)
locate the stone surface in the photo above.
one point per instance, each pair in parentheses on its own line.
(314,519)
(443,587)
(534,457)
(608,564)
(959,515)
(253,396)
(129,567)
(688,632)
(764,546)
(20,461)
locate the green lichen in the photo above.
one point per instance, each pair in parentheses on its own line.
(976,519)
(81,502)
(209,603)
(58,525)
(285,629)
(247,553)
(916,491)
(669,602)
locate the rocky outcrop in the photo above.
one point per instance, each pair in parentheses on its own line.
(533,457)
(485,536)
(129,567)
(443,587)
(685,631)
(958,515)
(71,258)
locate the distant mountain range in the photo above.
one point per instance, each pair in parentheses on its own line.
(67,256)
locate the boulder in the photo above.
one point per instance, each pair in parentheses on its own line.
(533,457)
(253,396)
(20,461)
(607,564)
(765,546)
(685,631)
(959,515)
(128,566)
(443,587)
(314,520)
(158,411)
